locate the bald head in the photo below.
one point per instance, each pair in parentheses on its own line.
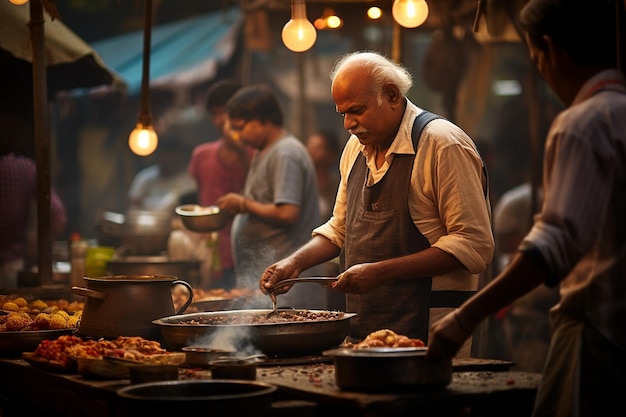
(376,68)
(369,91)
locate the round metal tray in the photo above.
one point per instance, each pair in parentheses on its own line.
(15,343)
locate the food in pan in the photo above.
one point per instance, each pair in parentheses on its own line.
(385,338)
(282,316)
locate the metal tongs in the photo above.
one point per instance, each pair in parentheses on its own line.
(323,281)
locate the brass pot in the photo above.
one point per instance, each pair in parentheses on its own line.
(126,305)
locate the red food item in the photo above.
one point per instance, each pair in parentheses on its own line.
(67,348)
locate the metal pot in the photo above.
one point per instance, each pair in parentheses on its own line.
(199,398)
(126,305)
(376,369)
(153,265)
(141,232)
(199,356)
(294,337)
(235,368)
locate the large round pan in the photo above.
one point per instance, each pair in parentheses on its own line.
(272,338)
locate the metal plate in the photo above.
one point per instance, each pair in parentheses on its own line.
(379,352)
(15,343)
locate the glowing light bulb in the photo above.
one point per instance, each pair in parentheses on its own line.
(143,140)
(298,34)
(18,2)
(410,13)
(334,22)
(374,13)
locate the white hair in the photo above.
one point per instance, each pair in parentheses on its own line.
(381,69)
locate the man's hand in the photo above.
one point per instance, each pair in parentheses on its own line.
(283,269)
(230,203)
(448,335)
(358,279)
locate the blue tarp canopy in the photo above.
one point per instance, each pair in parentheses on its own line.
(183,53)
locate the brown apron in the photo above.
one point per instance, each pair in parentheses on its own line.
(378,227)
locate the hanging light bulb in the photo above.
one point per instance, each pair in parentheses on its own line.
(374,13)
(18,2)
(298,34)
(143,140)
(410,13)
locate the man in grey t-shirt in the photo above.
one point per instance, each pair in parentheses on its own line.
(278,208)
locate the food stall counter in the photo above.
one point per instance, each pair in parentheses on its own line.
(489,391)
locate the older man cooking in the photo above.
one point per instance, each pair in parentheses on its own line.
(412,217)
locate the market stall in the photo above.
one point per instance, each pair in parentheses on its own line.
(486,386)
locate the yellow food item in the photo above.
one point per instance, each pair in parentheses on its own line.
(72,321)
(10,306)
(75,306)
(63,314)
(386,338)
(20,301)
(16,322)
(42,321)
(57,321)
(39,304)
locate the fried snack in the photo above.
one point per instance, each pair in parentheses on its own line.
(386,338)
(10,306)
(16,321)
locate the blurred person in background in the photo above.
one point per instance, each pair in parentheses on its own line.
(325,150)
(218,168)
(18,202)
(578,239)
(412,217)
(278,208)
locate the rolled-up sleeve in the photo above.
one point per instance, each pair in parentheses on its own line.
(448,201)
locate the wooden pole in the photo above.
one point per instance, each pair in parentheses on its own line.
(396,43)
(302,124)
(42,142)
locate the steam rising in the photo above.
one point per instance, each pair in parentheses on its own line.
(237,339)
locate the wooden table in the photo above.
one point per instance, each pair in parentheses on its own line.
(482,386)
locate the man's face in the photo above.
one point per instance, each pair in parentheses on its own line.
(316,146)
(539,58)
(366,113)
(218,117)
(250,132)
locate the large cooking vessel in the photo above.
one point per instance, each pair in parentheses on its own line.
(215,397)
(293,337)
(388,369)
(154,265)
(126,305)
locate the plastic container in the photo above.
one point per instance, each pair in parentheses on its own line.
(78,252)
